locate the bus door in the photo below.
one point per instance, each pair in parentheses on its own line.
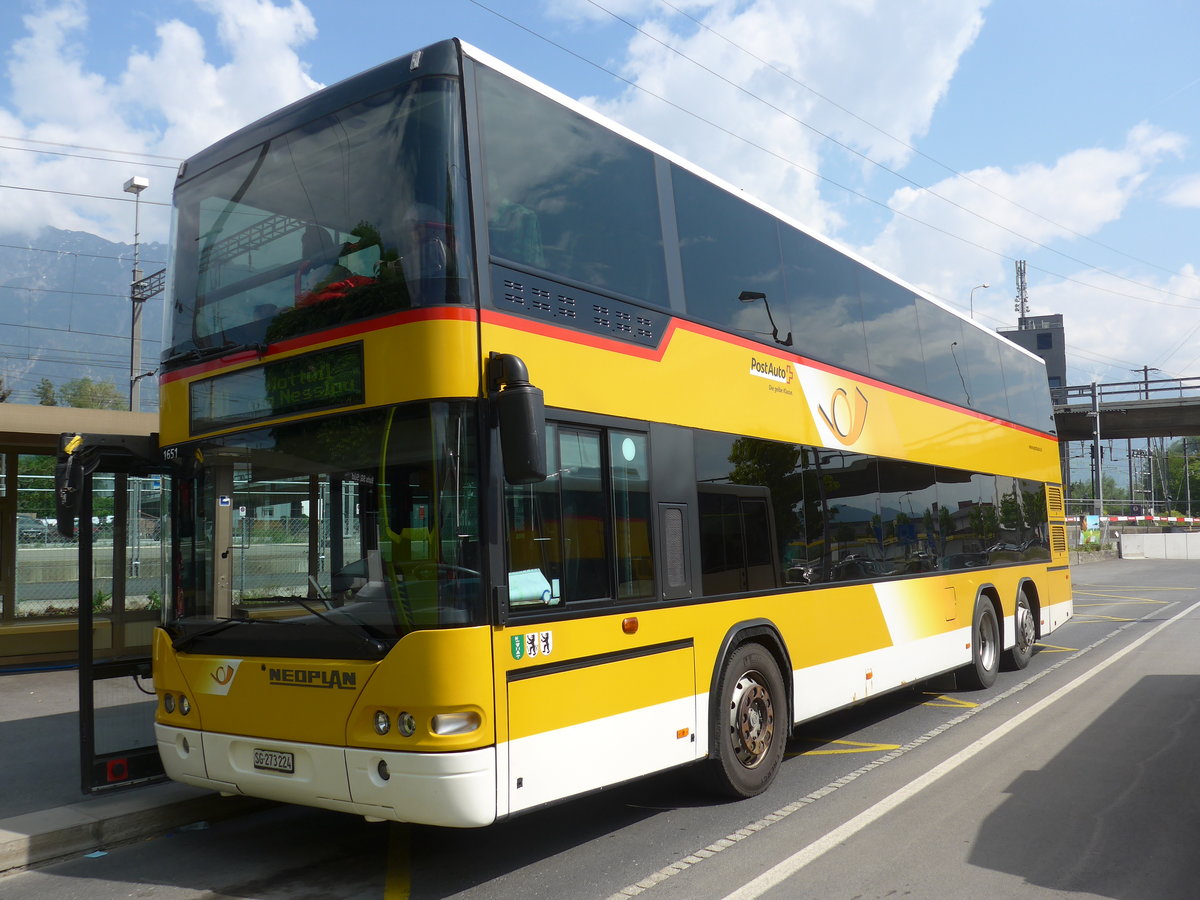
(109,501)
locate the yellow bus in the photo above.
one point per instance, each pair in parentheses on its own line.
(515,457)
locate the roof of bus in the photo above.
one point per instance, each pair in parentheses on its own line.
(441,58)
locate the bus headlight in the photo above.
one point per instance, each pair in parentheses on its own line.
(406,724)
(456,723)
(184,706)
(169,702)
(382,723)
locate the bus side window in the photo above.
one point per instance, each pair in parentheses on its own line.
(534,526)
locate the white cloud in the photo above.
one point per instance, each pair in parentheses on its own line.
(889,63)
(1106,322)
(604,10)
(1185,193)
(1014,214)
(171,101)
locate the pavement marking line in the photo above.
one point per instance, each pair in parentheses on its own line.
(1054,648)
(398,883)
(779,873)
(1076,586)
(731,840)
(850,747)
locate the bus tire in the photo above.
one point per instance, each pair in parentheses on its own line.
(1024,634)
(980,673)
(749,723)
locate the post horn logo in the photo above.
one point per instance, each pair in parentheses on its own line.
(846,418)
(223,674)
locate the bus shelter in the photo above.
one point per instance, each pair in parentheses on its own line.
(39,570)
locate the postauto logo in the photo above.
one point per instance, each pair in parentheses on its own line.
(771,370)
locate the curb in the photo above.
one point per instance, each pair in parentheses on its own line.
(99,823)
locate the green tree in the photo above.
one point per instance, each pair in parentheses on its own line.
(776,466)
(45,393)
(5,393)
(35,484)
(83,393)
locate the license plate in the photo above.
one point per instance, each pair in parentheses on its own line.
(274,760)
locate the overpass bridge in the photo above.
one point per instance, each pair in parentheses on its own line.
(1165,407)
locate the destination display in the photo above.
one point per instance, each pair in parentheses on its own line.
(326,379)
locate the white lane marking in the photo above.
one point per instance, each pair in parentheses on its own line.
(741,834)
(779,873)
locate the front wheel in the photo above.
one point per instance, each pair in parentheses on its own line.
(980,673)
(1025,633)
(749,723)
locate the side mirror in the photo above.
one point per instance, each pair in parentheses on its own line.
(521,411)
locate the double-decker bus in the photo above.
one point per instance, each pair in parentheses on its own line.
(515,457)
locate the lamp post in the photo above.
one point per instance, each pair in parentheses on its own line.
(135,186)
(985,286)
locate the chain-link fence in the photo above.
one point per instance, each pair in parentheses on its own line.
(45,581)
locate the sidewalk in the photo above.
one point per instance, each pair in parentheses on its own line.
(44,815)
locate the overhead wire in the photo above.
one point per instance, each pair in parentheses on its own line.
(882,166)
(915,150)
(17,187)
(852,191)
(28,140)
(123,162)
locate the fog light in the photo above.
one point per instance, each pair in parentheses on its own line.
(169,702)
(382,723)
(456,723)
(184,706)
(382,769)
(406,724)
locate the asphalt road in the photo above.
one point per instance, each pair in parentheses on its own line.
(1076,777)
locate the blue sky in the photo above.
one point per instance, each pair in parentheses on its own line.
(942,139)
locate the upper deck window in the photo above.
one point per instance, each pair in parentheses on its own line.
(349,216)
(567,196)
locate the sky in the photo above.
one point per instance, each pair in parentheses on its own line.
(941,139)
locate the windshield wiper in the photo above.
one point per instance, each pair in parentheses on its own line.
(181,642)
(202,354)
(372,636)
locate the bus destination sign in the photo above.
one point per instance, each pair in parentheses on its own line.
(326,379)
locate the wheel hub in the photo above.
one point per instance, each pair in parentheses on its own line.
(751,720)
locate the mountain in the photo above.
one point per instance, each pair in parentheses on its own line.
(65,312)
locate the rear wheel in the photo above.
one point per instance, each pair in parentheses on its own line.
(985,649)
(1025,633)
(749,723)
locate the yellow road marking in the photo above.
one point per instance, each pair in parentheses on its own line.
(943,700)
(1096,617)
(1117,598)
(399,877)
(1053,648)
(849,747)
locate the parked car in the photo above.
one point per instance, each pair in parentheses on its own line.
(31,528)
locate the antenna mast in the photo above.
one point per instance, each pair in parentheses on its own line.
(1021,303)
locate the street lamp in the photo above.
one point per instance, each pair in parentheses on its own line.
(985,286)
(135,186)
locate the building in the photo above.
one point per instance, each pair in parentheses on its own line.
(1044,336)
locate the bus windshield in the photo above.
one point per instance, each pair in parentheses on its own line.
(347,217)
(346,534)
